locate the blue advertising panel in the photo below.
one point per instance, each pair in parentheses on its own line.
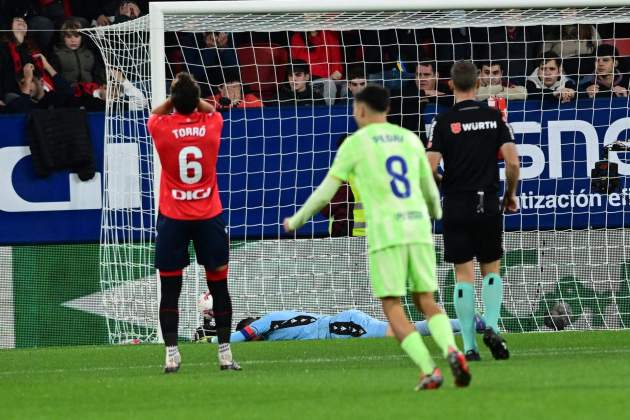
(272,158)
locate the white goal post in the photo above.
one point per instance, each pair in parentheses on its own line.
(575,257)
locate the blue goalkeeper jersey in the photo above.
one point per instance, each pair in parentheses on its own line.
(294,325)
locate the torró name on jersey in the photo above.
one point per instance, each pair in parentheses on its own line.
(188,147)
(189,132)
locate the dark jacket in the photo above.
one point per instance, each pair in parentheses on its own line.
(60,139)
(77,65)
(54,99)
(306,98)
(407,110)
(620,79)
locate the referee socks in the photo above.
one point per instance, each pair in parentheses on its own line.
(464,300)
(492,295)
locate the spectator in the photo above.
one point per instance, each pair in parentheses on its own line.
(16,51)
(322,50)
(76,63)
(41,26)
(607,79)
(231,94)
(299,90)
(427,82)
(35,93)
(116,11)
(492,83)
(127,10)
(548,82)
(572,43)
(407,110)
(356,81)
(209,57)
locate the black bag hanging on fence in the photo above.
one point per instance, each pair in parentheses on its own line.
(60,139)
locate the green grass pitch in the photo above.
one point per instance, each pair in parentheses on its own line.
(570,375)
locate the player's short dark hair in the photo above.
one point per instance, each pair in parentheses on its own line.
(185,93)
(547,56)
(464,75)
(375,97)
(245,322)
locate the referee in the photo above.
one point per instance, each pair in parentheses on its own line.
(469,137)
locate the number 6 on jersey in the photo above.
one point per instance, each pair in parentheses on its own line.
(192,165)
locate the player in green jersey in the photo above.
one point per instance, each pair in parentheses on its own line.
(396,185)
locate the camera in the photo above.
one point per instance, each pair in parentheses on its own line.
(605,174)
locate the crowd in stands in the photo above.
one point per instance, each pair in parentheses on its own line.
(45,61)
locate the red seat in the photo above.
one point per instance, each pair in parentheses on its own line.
(262,67)
(622,45)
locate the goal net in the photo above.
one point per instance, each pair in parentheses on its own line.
(567,261)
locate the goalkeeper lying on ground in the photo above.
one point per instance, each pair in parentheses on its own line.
(295,325)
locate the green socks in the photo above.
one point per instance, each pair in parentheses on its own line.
(492,295)
(442,333)
(415,348)
(464,300)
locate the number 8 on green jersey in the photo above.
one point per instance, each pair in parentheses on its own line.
(395,182)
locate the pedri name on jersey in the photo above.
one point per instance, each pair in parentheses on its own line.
(189,132)
(387,138)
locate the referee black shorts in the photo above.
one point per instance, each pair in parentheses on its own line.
(209,237)
(469,233)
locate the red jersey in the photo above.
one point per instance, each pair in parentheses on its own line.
(188,147)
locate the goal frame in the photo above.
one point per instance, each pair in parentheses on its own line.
(323,10)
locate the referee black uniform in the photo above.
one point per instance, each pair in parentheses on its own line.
(469,137)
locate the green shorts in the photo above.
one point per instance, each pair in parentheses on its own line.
(391,267)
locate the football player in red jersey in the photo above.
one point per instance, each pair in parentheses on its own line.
(187,132)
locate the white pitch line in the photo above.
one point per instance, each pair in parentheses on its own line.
(560,351)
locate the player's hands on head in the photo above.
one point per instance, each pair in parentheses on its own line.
(509,204)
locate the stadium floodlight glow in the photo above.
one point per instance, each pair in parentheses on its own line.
(568,246)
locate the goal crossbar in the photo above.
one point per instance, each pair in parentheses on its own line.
(285,6)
